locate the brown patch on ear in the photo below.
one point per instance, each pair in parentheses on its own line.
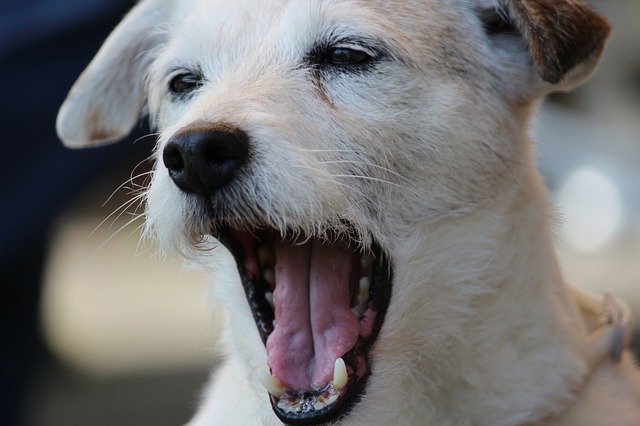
(94,124)
(560,34)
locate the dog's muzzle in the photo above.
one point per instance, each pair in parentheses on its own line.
(318,301)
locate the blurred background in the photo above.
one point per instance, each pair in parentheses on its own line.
(97,328)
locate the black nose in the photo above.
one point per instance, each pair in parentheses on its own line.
(204,158)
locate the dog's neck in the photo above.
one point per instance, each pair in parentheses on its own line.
(500,319)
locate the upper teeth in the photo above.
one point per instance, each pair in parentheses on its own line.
(269,297)
(363,296)
(270,277)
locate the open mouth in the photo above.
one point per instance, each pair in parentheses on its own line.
(318,305)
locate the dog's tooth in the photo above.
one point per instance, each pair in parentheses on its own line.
(269,296)
(364,284)
(363,290)
(363,295)
(366,264)
(325,402)
(270,277)
(340,376)
(266,257)
(271,383)
(332,399)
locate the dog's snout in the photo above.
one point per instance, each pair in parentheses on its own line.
(203,158)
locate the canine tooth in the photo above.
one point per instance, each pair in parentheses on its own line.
(271,384)
(269,296)
(270,277)
(340,376)
(266,257)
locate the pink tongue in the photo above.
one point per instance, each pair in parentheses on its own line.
(314,322)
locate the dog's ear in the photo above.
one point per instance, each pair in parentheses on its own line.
(107,100)
(564,38)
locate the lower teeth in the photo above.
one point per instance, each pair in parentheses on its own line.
(304,402)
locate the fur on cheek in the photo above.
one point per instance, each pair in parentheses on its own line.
(173,219)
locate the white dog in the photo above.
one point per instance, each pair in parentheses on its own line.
(367,166)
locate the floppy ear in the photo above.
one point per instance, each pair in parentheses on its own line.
(107,100)
(565,38)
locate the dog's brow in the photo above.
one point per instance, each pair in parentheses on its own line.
(337,36)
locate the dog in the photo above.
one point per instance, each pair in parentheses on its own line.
(359,179)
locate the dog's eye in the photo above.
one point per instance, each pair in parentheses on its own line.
(342,56)
(185,82)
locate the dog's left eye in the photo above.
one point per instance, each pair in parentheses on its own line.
(342,56)
(185,82)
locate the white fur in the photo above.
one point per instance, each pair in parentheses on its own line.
(430,153)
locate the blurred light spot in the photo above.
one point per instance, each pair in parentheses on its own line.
(592,209)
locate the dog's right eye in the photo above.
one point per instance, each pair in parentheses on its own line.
(344,55)
(185,82)
(341,56)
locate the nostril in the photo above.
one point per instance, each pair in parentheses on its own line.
(172,157)
(224,146)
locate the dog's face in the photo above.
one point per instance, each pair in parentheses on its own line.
(323,142)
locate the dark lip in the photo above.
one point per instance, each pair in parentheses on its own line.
(263,316)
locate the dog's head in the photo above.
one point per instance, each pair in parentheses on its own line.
(319,139)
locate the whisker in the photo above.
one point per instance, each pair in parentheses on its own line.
(126,205)
(140,229)
(373,179)
(137,187)
(348,175)
(122,185)
(148,135)
(119,211)
(113,235)
(368,164)
(334,150)
(341,184)
(365,164)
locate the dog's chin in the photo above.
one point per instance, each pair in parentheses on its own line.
(319,304)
